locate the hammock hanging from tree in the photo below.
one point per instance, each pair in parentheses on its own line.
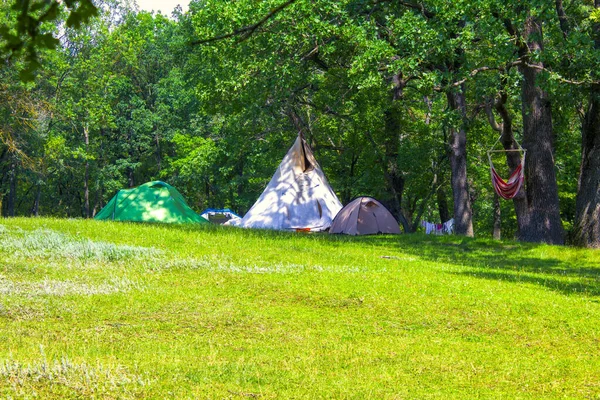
(509,188)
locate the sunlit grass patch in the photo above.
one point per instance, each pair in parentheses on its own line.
(49,244)
(65,378)
(48,287)
(17,311)
(215,312)
(224,263)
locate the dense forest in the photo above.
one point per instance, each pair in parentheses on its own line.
(399,100)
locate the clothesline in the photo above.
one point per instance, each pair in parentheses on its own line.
(438,229)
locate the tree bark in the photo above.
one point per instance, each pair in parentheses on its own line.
(158,151)
(12,189)
(86,188)
(442,203)
(97,203)
(497,232)
(587,206)
(347,192)
(417,214)
(130,152)
(562,18)
(394,177)
(463,214)
(543,223)
(36,201)
(513,158)
(395,182)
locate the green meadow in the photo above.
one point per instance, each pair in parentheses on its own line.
(107,310)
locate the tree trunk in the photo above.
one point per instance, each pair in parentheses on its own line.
(238,173)
(562,18)
(158,151)
(396,184)
(130,152)
(587,207)
(393,177)
(97,203)
(86,188)
(497,233)
(513,158)
(463,214)
(543,223)
(36,202)
(12,190)
(416,215)
(442,203)
(130,177)
(347,191)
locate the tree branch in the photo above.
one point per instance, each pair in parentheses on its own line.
(415,6)
(246,31)
(556,75)
(522,62)
(420,7)
(562,18)
(490,114)
(475,72)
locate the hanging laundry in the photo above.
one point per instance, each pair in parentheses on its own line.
(449,226)
(438,229)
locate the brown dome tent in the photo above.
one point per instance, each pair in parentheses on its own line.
(364,216)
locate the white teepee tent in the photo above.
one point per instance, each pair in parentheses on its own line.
(298,197)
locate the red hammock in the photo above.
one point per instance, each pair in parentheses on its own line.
(508,189)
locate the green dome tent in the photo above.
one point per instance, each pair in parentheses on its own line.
(151,202)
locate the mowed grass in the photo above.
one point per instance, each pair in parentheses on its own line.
(113,310)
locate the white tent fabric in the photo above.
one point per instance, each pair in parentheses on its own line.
(364,216)
(298,197)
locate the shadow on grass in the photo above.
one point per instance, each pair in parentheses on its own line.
(568,270)
(582,285)
(563,269)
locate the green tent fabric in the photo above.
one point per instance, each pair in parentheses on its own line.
(151,202)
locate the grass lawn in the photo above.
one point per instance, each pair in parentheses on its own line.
(94,309)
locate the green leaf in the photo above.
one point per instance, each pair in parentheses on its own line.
(48,41)
(51,14)
(26,74)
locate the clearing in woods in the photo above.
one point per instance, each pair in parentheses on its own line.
(118,310)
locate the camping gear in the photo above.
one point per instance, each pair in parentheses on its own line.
(364,216)
(509,188)
(151,202)
(219,215)
(297,197)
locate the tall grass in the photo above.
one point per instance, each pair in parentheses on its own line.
(153,311)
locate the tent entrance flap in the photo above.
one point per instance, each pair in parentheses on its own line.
(308,165)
